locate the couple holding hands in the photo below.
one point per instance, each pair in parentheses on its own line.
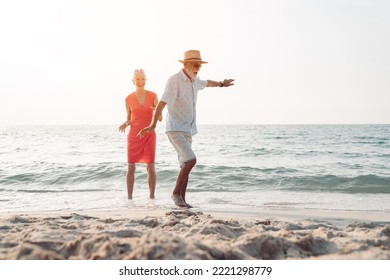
(143,112)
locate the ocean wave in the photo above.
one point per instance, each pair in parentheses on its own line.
(248,178)
(203,178)
(47,174)
(369,184)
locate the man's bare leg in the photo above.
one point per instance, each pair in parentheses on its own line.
(130,180)
(151,179)
(183,190)
(181,184)
(183,193)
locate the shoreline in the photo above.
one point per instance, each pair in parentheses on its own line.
(154,234)
(342,217)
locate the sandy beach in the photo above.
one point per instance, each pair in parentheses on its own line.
(154,234)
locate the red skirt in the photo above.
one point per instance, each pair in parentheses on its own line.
(141,150)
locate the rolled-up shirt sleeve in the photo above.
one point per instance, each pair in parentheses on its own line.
(201,84)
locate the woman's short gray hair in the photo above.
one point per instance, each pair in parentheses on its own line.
(136,71)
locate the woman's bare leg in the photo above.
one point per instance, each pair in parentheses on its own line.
(130,180)
(151,179)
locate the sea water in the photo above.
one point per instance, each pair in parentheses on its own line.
(76,168)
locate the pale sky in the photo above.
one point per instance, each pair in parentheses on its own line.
(295,62)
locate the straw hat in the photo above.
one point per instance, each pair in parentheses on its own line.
(192,55)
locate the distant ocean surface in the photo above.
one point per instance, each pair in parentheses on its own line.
(328,167)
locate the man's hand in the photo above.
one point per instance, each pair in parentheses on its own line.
(144,130)
(228,82)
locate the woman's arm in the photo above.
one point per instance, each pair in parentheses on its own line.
(122,128)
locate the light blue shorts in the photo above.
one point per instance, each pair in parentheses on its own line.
(182,143)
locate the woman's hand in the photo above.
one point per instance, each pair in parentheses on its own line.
(122,128)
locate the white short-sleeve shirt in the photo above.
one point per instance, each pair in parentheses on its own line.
(180,96)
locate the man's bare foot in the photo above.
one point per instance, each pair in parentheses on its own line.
(188,205)
(178,200)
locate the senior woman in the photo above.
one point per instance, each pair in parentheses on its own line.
(140,106)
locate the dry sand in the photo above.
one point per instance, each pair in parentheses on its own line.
(179,234)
